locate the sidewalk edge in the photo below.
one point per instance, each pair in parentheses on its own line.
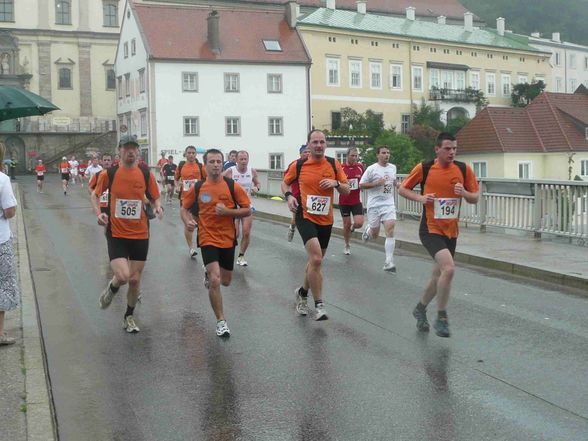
(40,421)
(471,259)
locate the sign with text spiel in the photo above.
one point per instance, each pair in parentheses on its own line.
(61,120)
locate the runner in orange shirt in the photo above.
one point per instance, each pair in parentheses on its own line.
(213,210)
(304,153)
(162,161)
(64,169)
(40,172)
(317,177)
(103,198)
(187,174)
(127,232)
(444,183)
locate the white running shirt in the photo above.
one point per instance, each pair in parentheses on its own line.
(245,180)
(91,171)
(382,195)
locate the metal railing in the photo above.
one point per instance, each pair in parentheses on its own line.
(539,206)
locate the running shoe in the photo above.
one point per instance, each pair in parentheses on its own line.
(347,250)
(106,297)
(321,312)
(241,261)
(129,325)
(193,253)
(222,330)
(301,303)
(291,231)
(352,228)
(421,318)
(442,327)
(206,281)
(389,267)
(6,340)
(365,236)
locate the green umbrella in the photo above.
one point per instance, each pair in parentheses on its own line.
(16,103)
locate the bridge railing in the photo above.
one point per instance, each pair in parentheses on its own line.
(538,206)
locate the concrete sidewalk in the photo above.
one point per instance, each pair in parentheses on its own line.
(545,260)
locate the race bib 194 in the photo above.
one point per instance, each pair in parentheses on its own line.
(319,205)
(447,208)
(353,184)
(128,209)
(188,183)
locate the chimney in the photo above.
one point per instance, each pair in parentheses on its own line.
(213,32)
(411,13)
(500,25)
(331,4)
(556,37)
(536,34)
(441,19)
(361,6)
(468,21)
(291,14)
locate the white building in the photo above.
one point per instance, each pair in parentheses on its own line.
(229,79)
(569,62)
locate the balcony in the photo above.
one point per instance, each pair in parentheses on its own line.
(468,95)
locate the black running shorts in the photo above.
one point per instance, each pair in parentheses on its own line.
(65,176)
(347,210)
(224,256)
(40,178)
(309,229)
(437,242)
(132,249)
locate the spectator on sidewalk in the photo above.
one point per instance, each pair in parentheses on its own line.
(9,294)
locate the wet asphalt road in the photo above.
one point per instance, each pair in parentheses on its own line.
(514,369)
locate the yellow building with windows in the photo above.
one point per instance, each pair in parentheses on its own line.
(387,64)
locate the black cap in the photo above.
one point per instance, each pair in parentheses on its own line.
(128,139)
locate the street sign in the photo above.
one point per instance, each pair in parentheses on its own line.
(61,120)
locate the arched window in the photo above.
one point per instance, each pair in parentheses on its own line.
(110,79)
(63,12)
(110,9)
(65,78)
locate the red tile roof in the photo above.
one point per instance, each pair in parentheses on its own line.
(180,33)
(553,122)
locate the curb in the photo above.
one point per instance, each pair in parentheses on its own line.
(39,415)
(517,269)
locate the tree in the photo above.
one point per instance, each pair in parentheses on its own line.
(403,153)
(427,116)
(455,125)
(523,93)
(424,139)
(369,123)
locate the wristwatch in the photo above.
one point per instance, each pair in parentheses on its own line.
(338,184)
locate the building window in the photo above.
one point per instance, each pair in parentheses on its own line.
(475,80)
(110,13)
(491,84)
(232,82)
(572,61)
(584,168)
(63,12)
(133,47)
(128,84)
(335,120)
(272,45)
(276,161)
(480,169)
(354,73)
(274,83)
(333,72)
(557,56)
(119,84)
(434,79)
(126,50)
(447,79)
(573,85)
(505,81)
(525,169)
(585,63)
(376,75)
(558,84)
(141,80)
(396,76)
(143,122)
(191,126)
(459,80)
(6,10)
(405,123)
(110,79)
(341,156)
(65,78)
(523,79)
(232,126)
(417,78)
(190,81)
(276,126)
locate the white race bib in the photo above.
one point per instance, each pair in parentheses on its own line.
(171,178)
(40,173)
(353,184)
(65,170)
(388,189)
(188,183)
(319,205)
(104,198)
(128,209)
(447,208)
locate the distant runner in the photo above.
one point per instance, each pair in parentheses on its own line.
(350,205)
(64,169)
(168,172)
(304,154)
(40,172)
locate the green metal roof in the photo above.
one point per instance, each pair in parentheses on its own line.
(418,29)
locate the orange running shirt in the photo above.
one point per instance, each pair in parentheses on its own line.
(317,203)
(92,185)
(214,230)
(64,167)
(161,163)
(127,217)
(190,174)
(441,181)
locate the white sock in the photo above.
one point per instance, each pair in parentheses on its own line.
(389,247)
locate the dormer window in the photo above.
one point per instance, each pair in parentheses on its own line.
(272,45)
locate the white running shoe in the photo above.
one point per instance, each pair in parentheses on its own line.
(389,267)
(291,231)
(301,303)
(347,250)
(365,236)
(193,253)
(206,281)
(321,312)
(222,330)
(129,325)
(241,261)
(106,297)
